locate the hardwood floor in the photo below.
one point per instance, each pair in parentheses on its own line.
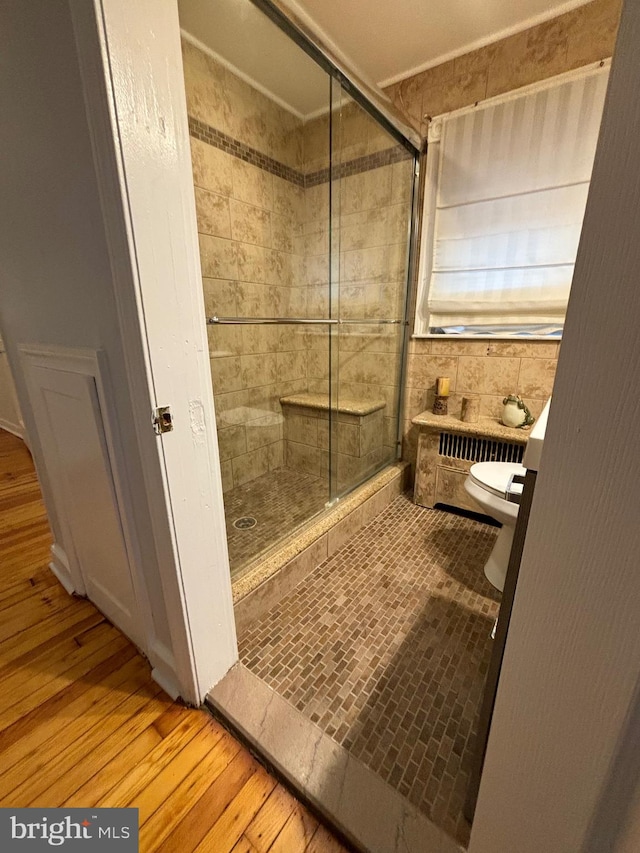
(83,724)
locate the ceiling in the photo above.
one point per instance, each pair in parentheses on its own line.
(382,41)
(387,41)
(242,37)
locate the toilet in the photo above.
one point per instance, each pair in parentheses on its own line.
(488,483)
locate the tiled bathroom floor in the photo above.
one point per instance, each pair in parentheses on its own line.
(386,645)
(279,501)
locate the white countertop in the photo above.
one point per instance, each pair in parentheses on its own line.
(533,450)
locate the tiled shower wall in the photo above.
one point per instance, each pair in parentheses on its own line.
(262,195)
(493,369)
(374,209)
(249,224)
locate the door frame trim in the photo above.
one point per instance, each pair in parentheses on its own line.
(154,254)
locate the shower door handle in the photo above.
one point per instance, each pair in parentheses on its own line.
(214,321)
(302,321)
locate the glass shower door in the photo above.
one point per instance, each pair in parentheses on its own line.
(303,204)
(263,254)
(372,179)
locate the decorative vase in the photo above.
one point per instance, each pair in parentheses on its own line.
(440,406)
(515,413)
(470,410)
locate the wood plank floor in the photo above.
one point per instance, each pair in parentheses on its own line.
(83,724)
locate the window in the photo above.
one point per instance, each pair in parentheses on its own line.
(505,194)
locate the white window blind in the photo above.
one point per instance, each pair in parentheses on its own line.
(511,181)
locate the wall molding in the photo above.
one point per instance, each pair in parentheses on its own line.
(93,363)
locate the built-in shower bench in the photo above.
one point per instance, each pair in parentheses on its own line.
(448,447)
(359,431)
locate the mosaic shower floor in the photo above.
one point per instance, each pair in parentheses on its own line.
(385,646)
(278,502)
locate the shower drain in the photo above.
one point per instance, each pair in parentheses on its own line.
(245,523)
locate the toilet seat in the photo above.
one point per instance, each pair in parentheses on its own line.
(487,484)
(494,477)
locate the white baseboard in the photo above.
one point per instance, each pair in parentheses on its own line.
(166,681)
(59,565)
(14,429)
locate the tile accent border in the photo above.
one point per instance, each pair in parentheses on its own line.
(371,814)
(360,164)
(205,133)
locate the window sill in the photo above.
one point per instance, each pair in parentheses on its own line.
(550,339)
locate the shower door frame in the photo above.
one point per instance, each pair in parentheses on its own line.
(366,97)
(411,244)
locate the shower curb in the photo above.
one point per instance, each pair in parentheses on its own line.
(273,576)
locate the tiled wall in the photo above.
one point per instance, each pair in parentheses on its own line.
(578,37)
(249,223)
(373,210)
(359,437)
(493,369)
(223,101)
(490,369)
(262,196)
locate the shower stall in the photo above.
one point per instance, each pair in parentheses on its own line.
(304,194)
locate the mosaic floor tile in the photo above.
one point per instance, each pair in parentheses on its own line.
(279,502)
(386,646)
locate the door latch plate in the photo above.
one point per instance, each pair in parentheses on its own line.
(162,420)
